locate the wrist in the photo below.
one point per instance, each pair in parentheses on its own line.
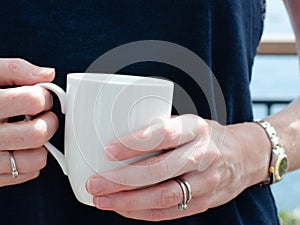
(287,125)
(256,152)
(279,163)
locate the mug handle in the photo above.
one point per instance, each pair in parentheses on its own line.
(61,94)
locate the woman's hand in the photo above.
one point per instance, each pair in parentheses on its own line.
(24,139)
(218,162)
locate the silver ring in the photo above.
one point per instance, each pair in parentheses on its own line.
(187,194)
(189,189)
(14,171)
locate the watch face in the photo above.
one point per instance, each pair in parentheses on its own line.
(282,170)
(281,167)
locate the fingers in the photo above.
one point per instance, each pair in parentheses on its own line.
(209,189)
(146,172)
(21,72)
(163,214)
(159,196)
(23,100)
(7,179)
(162,195)
(191,157)
(28,134)
(27,161)
(167,135)
(158,202)
(145,190)
(26,100)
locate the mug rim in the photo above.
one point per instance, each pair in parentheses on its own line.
(125,79)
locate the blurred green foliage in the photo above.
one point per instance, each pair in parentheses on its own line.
(289,218)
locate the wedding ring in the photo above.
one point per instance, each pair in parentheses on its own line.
(186,192)
(189,190)
(14,171)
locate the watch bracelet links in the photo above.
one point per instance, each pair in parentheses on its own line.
(275,146)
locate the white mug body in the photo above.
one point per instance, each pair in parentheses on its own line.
(101,108)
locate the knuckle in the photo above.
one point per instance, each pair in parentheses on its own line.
(202,126)
(214,180)
(198,156)
(15,65)
(169,133)
(158,168)
(198,124)
(205,155)
(34,99)
(39,135)
(168,198)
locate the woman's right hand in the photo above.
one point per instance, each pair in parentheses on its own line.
(25,138)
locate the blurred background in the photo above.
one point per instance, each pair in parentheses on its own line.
(275,82)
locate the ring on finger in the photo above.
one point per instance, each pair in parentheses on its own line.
(186,192)
(14,171)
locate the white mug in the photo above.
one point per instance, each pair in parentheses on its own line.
(100,108)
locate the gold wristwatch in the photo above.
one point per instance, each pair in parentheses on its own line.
(279,161)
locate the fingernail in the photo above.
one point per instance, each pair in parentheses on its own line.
(42,71)
(93,186)
(112,152)
(103,202)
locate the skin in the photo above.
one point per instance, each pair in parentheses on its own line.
(293,7)
(218,161)
(24,138)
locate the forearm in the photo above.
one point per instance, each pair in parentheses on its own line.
(287,125)
(256,146)
(293,7)
(287,122)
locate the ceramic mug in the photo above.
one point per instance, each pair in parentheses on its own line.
(100,108)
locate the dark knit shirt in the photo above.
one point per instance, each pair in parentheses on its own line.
(70,35)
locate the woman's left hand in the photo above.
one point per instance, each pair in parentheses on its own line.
(218,162)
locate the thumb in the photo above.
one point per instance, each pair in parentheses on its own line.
(20,72)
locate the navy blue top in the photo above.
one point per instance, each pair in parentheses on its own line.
(70,35)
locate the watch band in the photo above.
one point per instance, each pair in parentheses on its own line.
(277,154)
